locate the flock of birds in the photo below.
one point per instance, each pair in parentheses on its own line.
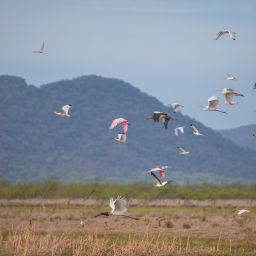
(118,205)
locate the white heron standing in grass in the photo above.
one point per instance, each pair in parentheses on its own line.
(228,96)
(118,208)
(183,151)
(212,105)
(231,34)
(195,131)
(63,111)
(41,49)
(176,106)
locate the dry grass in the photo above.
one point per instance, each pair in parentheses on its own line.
(27,241)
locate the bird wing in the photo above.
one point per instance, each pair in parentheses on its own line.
(179,129)
(125,126)
(213,102)
(65,109)
(120,205)
(194,129)
(176,106)
(176,131)
(158,181)
(221,33)
(117,121)
(156,115)
(182,150)
(232,35)
(112,204)
(228,99)
(156,169)
(42,47)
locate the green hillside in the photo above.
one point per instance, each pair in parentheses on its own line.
(37,145)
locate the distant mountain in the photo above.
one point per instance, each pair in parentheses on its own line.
(36,144)
(242,136)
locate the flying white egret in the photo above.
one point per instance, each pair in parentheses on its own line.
(212,105)
(230,77)
(176,106)
(179,130)
(195,131)
(183,151)
(228,96)
(63,111)
(41,49)
(228,32)
(242,211)
(118,208)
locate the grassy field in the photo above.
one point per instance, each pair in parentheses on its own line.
(57,230)
(98,190)
(52,218)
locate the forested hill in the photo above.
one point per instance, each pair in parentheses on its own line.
(242,136)
(37,145)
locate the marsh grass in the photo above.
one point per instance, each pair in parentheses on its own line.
(27,241)
(99,190)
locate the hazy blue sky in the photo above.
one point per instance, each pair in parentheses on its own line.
(165,48)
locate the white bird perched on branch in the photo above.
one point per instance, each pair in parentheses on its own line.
(176,106)
(228,32)
(183,151)
(195,131)
(229,94)
(230,77)
(118,207)
(179,130)
(212,105)
(240,212)
(41,49)
(63,111)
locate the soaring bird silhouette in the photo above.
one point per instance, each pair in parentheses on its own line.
(41,49)
(228,32)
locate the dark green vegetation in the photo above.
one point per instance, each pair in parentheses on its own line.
(98,190)
(242,136)
(37,145)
